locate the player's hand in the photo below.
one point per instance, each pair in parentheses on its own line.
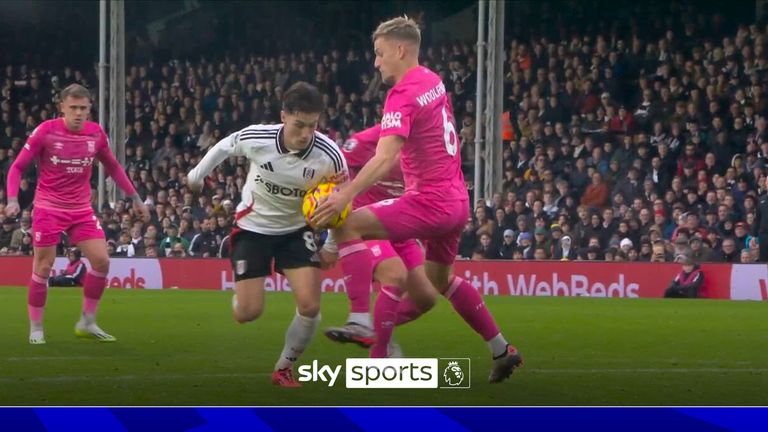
(330,207)
(327,259)
(195,187)
(143,210)
(12,208)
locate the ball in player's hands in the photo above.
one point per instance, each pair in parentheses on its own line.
(315,197)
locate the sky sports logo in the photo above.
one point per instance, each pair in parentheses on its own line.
(402,373)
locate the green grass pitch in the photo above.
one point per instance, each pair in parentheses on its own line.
(183,348)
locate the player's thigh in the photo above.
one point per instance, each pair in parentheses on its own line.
(42,260)
(440,255)
(305,284)
(251,259)
(296,257)
(96,252)
(411,252)
(361,223)
(84,226)
(388,269)
(47,226)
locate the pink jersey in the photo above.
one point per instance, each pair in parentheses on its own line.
(358,150)
(65,161)
(419,110)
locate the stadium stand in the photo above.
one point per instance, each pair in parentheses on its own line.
(616,141)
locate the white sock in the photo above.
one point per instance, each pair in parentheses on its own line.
(362,318)
(35,326)
(497,345)
(297,339)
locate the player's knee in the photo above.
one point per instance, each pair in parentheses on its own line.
(248,313)
(100,264)
(43,269)
(308,309)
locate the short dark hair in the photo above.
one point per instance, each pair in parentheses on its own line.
(303,97)
(76,91)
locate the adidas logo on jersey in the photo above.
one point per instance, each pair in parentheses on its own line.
(267,167)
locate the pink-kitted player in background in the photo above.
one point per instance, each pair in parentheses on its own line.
(65,150)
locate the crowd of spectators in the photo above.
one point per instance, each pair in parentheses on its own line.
(617,147)
(637,148)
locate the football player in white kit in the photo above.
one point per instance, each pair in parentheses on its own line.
(287,160)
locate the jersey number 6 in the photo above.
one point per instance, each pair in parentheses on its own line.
(449,135)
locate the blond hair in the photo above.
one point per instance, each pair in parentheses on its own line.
(76,91)
(400,28)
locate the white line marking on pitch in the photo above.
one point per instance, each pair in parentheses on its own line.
(10,359)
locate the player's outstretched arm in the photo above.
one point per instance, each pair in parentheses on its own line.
(216,155)
(387,153)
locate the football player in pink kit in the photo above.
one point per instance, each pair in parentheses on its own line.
(65,150)
(417,125)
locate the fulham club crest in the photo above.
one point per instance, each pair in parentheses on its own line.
(309,173)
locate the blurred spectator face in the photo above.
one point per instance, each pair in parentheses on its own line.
(539,254)
(728,246)
(480,215)
(222,221)
(500,214)
(746,256)
(595,220)
(517,255)
(485,241)
(692,221)
(740,231)
(645,216)
(594,242)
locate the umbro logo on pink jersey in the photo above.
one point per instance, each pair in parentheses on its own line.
(58,145)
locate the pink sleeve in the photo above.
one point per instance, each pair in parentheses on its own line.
(360,147)
(398,110)
(29,153)
(113,167)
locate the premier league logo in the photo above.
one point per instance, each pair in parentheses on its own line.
(453,374)
(309,173)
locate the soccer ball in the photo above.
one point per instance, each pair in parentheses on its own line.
(312,198)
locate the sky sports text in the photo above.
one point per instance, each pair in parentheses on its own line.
(408,373)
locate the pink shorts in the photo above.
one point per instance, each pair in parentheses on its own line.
(409,251)
(438,223)
(48,224)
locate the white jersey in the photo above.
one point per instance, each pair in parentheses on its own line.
(278,178)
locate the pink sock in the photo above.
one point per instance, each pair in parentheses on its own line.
(407,312)
(36,297)
(384,313)
(357,264)
(93,288)
(469,304)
